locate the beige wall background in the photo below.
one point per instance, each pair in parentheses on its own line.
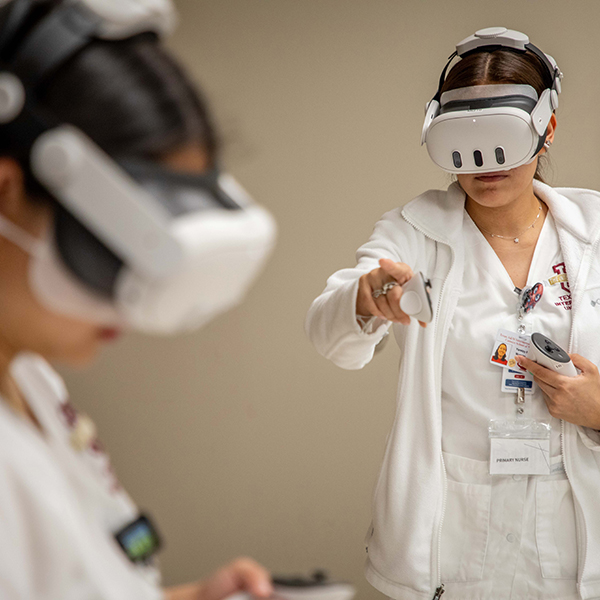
(240,439)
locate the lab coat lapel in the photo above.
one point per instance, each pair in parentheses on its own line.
(440,217)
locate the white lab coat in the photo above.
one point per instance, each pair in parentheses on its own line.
(59,507)
(409,503)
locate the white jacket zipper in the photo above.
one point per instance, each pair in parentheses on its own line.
(440,589)
(438,592)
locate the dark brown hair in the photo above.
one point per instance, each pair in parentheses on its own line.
(500,66)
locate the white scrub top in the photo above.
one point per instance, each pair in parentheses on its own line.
(504,536)
(60,506)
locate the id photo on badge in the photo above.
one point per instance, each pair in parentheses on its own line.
(500,356)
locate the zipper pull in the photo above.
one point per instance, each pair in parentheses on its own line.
(438,592)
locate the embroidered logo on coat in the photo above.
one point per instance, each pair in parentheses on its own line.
(561,277)
(561,269)
(84,440)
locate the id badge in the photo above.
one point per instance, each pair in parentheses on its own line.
(512,380)
(520,447)
(507,345)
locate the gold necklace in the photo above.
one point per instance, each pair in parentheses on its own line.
(510,237)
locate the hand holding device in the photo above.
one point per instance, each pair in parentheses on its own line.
(317,587)
(415,300)
(576,400)
(397,300)
(550,355)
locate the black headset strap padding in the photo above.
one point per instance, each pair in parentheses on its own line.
(58,37)
(12,18)
(513,101)
(21,133)
(553,71)
(540,144)
(438,94)
(89,259)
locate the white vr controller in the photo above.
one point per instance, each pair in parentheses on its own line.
(415,300)
(545,352)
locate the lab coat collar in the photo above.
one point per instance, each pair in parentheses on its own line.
(576,211)
(440,214)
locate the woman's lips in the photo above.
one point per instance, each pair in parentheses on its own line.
(492,177)
(109,333)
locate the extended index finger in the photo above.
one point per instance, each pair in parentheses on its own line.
(399,271)
(540,372)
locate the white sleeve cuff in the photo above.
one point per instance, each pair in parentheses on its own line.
(370,325)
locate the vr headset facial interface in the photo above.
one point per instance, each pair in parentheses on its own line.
(134,243)
(488,128)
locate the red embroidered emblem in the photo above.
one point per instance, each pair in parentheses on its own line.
(561,269)
(71,417)
(69,412)
(565,300)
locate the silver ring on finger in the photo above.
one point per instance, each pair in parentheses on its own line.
(384,290)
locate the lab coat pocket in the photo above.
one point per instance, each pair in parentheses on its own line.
(555,529)
(465,531)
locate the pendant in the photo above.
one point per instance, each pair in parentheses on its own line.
(83,434)
(516,240)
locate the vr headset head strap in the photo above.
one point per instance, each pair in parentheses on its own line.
(553,70)
(438,94)
(12,18)
(53,40)
(491,44)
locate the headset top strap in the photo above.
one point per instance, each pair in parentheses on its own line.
(56,38)
(38,36)
(495,38)
(438,94)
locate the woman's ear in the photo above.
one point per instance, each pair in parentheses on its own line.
(13,199)
(551,129)
(15,204)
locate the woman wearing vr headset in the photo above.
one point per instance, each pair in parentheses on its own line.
(113,215)
(490,482)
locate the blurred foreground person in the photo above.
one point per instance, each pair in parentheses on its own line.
(113,216)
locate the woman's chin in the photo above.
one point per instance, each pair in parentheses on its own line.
(79,356)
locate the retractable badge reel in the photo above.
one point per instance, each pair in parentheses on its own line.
(528,299)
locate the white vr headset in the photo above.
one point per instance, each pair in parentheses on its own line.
(134,244)
(487,128)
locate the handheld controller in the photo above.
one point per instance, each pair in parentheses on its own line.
(415,300)
(550,355)
(317,587)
